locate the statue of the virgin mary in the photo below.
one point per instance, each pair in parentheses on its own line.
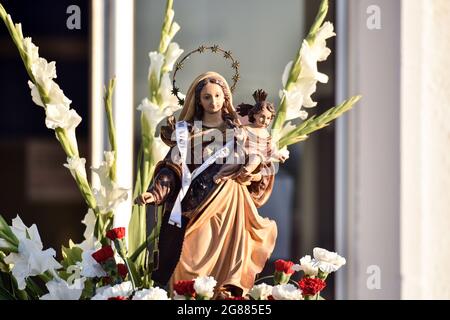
(208,229)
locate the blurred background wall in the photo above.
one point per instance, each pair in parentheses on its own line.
(34,183)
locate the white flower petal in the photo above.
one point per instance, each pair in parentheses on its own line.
(286,292)
(123,289)
(328,261)
(325,32)
(109,195)
(31,261)
(286,72)
(172,54)
(309,266)
(173,30)
(156,63)
(76,165)
(167,98)
(204,286)
(89,267)
(31,50)
(151,294)
(159,149)
(61,290)
(35,94)
(261,291)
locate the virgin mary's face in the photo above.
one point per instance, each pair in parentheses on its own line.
(212,98)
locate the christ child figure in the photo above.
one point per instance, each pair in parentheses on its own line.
(256,141)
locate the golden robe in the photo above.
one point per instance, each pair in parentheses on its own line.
(225,237)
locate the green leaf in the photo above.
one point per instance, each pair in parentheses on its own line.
(320,18)
(134,272)
(316,123)
(137,235)
(71,255)
(89,290)
(111,127)
(6,233)
(5,294)
(166,27)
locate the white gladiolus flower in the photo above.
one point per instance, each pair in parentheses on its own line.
(61,116)
(20,230)
(159,149)
(151,294)
(204,286)
(172,54)
(320,46)
(308,266)
(108,198)
(286,292)
(31,50)
(284,153)
(35,95)
(155,114)
(59,289)
(286,72)
(57,106)
(170,15)
(44,73)
(328,261)
(294,103)
(76,165)
(278,134)
(123,289)
(156,63)
(90,241)
(167,98)
(30,259)
(303,115)
(109,158)
(103,170)
(261,291)
(89,267)
(299,93)
(174,28)
(309,65)
(109,195)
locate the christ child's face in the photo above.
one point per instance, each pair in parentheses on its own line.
(263,118)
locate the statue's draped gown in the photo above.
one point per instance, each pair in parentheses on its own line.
(222,234)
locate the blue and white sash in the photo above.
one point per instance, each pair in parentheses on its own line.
(182,135)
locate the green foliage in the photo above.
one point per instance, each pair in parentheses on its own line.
(316,123)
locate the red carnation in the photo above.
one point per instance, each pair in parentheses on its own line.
(118,298)
(116,233)
(122,270)
(103,254)
(284,266)
(185,288)
(311,286)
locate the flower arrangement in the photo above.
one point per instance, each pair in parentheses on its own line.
(110,264)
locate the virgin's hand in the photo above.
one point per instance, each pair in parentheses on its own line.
(144,198)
